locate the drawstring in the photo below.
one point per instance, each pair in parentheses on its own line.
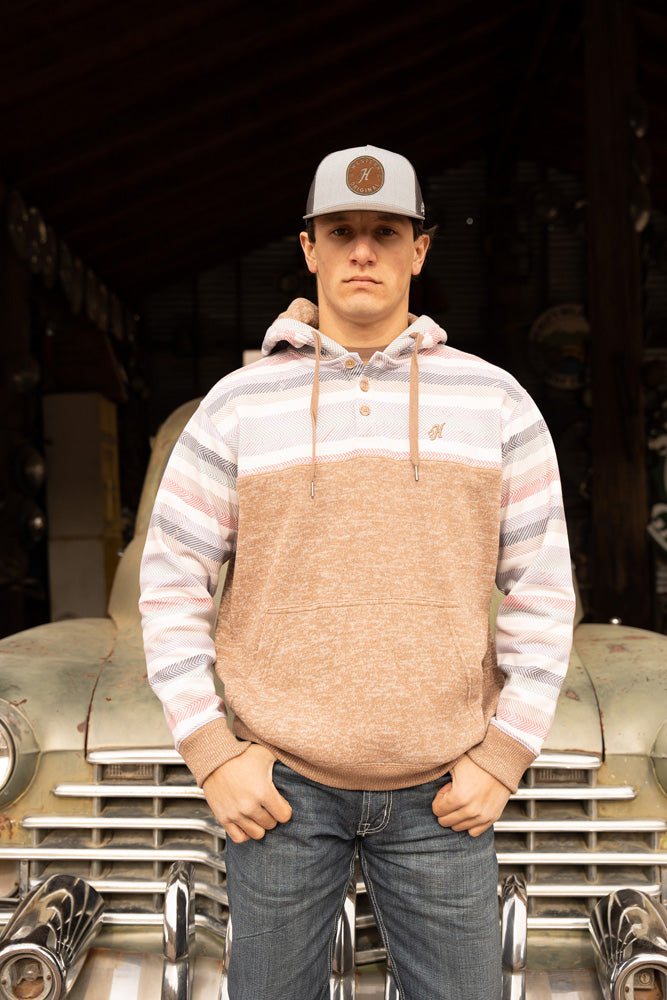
(314,400)
(414,406)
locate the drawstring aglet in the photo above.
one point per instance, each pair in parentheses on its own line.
(416,473)
(312,490)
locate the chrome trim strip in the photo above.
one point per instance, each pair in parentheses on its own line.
(568,761)
(132,790)
(591,891)
(163,854)
(592,857)
(582,792)
(133,918)
(153,755)
(342,981)
(580,826)
(218,893)
(557,923)
(170,853)
(123,823)
(107,790)
(519,825)
(178,931)
(514,937)
(390,987)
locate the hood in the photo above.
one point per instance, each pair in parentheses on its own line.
(300,321)
(49,673)
(125,714)
(576,727)
(627,668)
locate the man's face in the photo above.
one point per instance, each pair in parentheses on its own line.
(364,262)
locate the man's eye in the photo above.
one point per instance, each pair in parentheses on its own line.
(339,231)
(387,231)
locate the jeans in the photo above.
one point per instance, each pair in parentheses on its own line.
(433,892)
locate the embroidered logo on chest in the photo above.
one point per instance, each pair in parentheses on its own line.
(436,431)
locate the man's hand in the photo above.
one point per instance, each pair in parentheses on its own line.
(243,797)
(472,801)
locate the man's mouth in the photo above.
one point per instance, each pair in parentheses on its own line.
(362,280)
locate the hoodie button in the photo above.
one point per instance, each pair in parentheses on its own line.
(364,410)
(364,386)
(350,363)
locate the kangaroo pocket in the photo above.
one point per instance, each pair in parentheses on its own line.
(393,683)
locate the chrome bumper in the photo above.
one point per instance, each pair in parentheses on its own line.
(629,932)
(45,943)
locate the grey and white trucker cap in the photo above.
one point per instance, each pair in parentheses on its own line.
(365,178)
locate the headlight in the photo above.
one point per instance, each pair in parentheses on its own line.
(7,755)
(19,752)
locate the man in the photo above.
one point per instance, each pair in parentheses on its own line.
(368,485)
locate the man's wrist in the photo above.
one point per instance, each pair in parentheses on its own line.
(210,746)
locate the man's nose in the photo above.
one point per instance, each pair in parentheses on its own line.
(362,250)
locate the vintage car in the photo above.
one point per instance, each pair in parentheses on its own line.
(112,872)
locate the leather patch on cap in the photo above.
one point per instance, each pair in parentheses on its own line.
(365,175)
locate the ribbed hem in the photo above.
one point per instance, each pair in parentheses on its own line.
(371,778)
(209,747)
(501,756)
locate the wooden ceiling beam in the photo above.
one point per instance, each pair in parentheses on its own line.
(151,186)
(550,14)
(246,176)
(205,94)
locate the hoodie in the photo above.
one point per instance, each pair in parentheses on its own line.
(365,513)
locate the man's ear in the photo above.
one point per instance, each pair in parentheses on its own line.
(308,252)
(421,248)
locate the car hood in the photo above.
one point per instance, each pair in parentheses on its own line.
(576,727)
(627,668)
(125,714)
(49,674)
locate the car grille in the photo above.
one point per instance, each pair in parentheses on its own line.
(145,811)
(560,833)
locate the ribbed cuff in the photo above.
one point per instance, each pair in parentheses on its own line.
(501,756)
(209,747)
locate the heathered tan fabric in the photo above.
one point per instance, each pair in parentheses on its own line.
(344,650)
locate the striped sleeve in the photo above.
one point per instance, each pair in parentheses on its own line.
(534,622)
(192,533)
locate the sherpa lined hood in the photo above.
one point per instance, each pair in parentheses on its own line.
(299,323)
(298,326)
